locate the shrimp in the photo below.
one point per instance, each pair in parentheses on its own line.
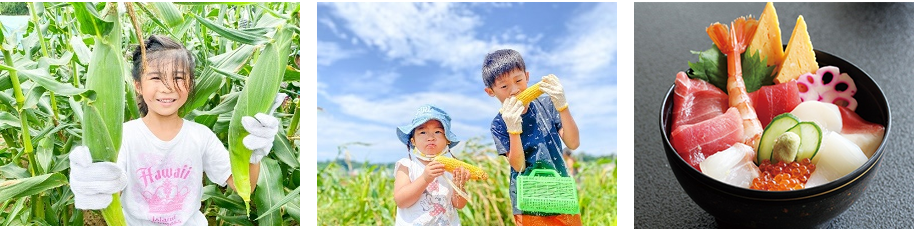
(732,43)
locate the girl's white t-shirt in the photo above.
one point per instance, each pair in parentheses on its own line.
(165,178)
(434,207)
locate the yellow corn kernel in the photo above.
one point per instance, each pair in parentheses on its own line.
(451,164)
(530,94)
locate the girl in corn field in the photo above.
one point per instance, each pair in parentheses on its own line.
(424,193)
(163,157)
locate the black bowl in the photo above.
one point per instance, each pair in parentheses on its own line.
(740,207)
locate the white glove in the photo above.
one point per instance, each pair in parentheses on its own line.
(93,183)
(510,112)
(262,128)
(556,92)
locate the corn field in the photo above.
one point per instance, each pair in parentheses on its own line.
(65,81)
(363,194)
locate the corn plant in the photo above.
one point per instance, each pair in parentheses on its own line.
(66,83)
(364,196)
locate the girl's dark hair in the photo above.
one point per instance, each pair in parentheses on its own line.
(161,50)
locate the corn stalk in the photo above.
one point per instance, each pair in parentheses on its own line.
(262,85)
(103,118)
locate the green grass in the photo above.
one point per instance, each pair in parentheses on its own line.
(365,197)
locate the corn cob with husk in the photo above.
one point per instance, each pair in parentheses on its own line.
(451,164)
(104,117)
(256,97)
(530,94)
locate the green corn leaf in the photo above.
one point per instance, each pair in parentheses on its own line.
(241,36)
(260,87)
(214,3)
(43,78)
(221,200)
(30,186)
(64,59)
(284,202)
(80,48)
(291,75)
(240,220)
(32,97)
(155,19)
(209,82)
(44,153)
(51,130)
(294,207)
(8,100)
(60,163)
(268,193)
(90,22)
(169,12)
(284,151)
(8,120)
(232,75)
(13,171)
(272,12)
(76,107)
(19,213)
(226,106)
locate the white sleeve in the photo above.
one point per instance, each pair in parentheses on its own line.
(216,163)
(402,162)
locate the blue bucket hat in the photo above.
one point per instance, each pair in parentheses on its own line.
(424,114)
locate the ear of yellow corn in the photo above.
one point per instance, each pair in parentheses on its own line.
(530,94)
(451,164)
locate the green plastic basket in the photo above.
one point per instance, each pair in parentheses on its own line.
(547,194)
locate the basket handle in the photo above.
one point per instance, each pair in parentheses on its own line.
(544,172)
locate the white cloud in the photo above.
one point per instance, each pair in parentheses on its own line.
(329,52)
(329,23)
(590,47)
(369,83)
(418,33)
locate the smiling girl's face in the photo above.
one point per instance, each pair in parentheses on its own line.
(429,138)
(164,87)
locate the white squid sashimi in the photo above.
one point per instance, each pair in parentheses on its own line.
(837,157)
(826,115)
(733,166)
(868,142)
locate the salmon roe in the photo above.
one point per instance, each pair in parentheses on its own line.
(783,176)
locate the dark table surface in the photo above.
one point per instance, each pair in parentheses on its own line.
(878,38)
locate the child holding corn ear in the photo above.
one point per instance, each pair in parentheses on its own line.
(163,157)
(422,190)
(529,134)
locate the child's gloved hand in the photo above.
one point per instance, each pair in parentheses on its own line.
(262,128)
(556,92)
(93,183)
(511,110)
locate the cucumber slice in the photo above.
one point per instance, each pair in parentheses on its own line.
(778,126)
(810,139)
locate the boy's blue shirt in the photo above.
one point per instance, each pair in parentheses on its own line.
(540,140)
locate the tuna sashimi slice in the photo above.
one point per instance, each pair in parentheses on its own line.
(773,100)
(734,166)
(865,134)
(696,100)
(695,142)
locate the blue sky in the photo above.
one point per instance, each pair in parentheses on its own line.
(377,63)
